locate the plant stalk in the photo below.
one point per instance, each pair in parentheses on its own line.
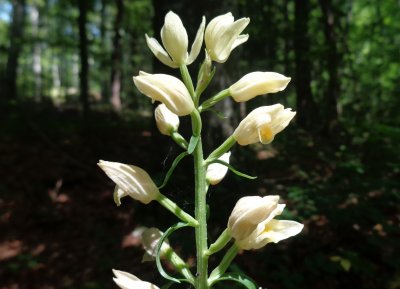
(200,215)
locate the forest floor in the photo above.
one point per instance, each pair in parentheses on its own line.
(61,229)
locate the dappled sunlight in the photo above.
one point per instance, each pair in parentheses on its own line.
(266,154)
(10,249)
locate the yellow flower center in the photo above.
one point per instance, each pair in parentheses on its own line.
(268,227)
(266,135)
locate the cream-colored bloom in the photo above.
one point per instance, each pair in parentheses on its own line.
(223,35)
(150,240)
(166,89)
(216,172)
(257,83)
(175,40)
(252,222)
(248,213)
(262,124)
(166,121)
(125,280)
(131,181)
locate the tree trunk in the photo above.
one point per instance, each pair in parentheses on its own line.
(105,86)
(287,40)
(116,59)
(307,113)
(16,31)
(37,53)
(333,88)
(83,50)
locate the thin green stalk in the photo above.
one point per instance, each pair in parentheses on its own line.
(220,243)
(223,148)
(180,140)
(176,210)
(187,79)
(223,266)
(200,214)
(214,100)
(180,265)
(201,281)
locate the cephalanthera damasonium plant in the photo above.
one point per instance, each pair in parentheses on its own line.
(252,223)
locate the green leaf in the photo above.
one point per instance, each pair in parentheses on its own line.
(167,233)
(172,168)
(239,278)
(232,169)
(167,285)
(192,143)
(219,114)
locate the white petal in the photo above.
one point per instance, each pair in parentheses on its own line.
(132,180)
(277,230)
(174,38)
(159,52)
(240,40)
(198,41)
(123,274)
(167,89)
(125,280)
(216,171)
(118,194)
(248,213)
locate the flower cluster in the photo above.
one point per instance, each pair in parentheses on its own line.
(252,223)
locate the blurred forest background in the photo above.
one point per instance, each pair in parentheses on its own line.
(67,100)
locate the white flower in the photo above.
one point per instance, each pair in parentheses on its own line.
(248,213)
(257,83)
(150,240)
(252,235)
(262,124)
(166,121)
(175,41)
(216,172)
(131,181)
(125,280)
(223,35)
(166,89)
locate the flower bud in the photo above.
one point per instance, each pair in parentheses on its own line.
(150,240)
(252,222)
(257,83)
(130,180)
(125,280)
(262,124)
(166,89)
(175,40)
(223,35)
(166,121)
(206,73)
(216,172)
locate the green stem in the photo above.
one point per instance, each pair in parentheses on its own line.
(215,99)
(179,265)
(187,79)
(223,266)
(180,140)
(223,148)
(176,210)
(220,243)
(201,217)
